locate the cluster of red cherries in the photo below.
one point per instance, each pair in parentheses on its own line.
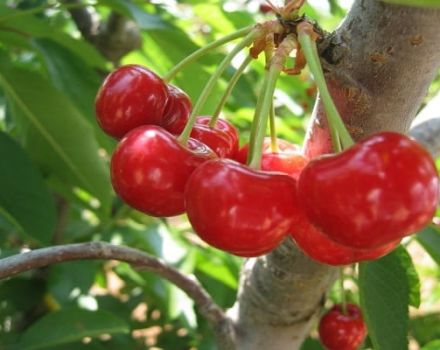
(341,208)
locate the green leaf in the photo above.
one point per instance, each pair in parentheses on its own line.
(411,275)
(426,328)
(28,26)
(15,292)
(57,136)
(429,238)
(24,196)
(179,303)
(418,3)
(70,325)
(72,75)
(385,295)
(63,279)
(434,345)
(128,8)
(311,344)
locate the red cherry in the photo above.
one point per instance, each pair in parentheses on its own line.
(150,168)
(320,248)
(288,159)
(342,332)
(240,210)
(130,96)
(377,191)
(222,139)
(265,8)
(177,110)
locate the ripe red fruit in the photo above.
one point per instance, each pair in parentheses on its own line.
(288,159)
(381,189)
(342,332)
(320,248)
(150,168)
(240,210)
(265,8)
(130,96)
(222,139)
(177,110)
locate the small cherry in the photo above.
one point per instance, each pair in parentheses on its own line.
(288,157)
(129,97)
(266,8)
(222,138)
(177,110)
(240,210)
(150,168)
(374,193)
(339,331)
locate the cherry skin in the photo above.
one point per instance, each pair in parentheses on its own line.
(377,191)
(240,210)
(265,8)
(222,138)
(177,110)
(149,170)
(338,331)
(288,159)
(129,97)
(320,248)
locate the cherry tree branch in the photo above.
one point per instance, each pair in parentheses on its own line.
(16,264)
(114,38)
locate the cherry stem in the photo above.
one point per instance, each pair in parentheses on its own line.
(183,138)
(256,120)
(338,131)
(343,295)
(273,132)
(262,117)
(262,113)
(205,50)
(229,88)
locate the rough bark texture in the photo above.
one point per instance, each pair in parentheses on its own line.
(380,63)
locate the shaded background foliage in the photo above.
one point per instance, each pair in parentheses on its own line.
(55,187)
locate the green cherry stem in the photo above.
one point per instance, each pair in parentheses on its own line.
(262,118)
(183,138)
(338,130)
(262,114)
(229,88)
(273,132)
(343,296)
(256,120)
(204,50)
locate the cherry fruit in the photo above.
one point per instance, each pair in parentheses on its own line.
(266,8)
(339,331)
(222,138)
(287,159)
(240,210)
(150,168)
(177,110)
(320,248)
(381,189)
(130,96)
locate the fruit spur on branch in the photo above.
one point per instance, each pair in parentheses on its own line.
(350,206)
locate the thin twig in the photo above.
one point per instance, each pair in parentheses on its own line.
(100,250)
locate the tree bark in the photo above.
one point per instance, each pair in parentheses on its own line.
(379,64)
